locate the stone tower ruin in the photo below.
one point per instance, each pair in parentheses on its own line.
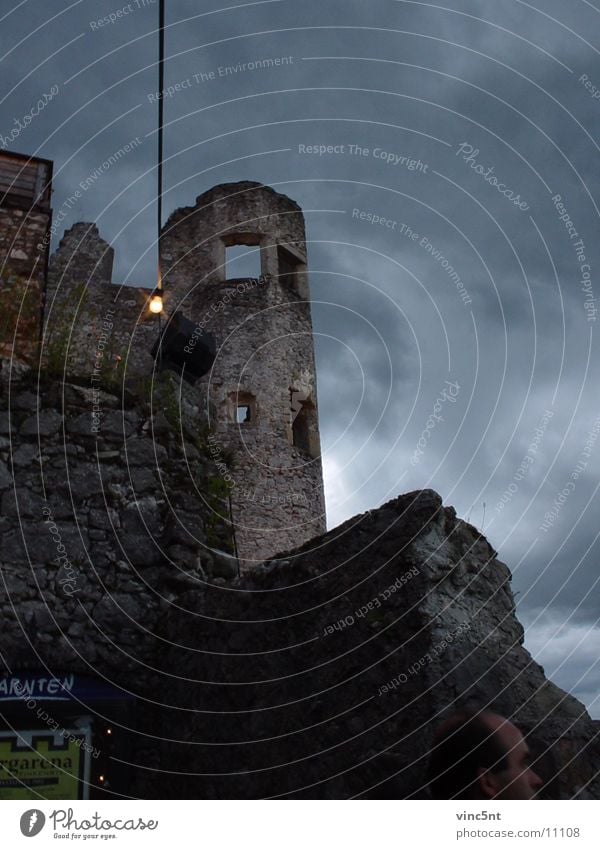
(259,399)
(261,391)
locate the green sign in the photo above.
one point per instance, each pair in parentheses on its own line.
(39,765)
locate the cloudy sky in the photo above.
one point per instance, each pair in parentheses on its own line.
(463,358)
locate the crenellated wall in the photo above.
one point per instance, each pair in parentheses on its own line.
(94,328)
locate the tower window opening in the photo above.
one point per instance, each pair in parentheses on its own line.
(243,414)
(304,429)
(242,256)
(241,408)
(288,267)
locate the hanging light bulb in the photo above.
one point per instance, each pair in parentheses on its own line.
(156,298)
(156,302)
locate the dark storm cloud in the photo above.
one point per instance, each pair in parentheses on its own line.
(523,345)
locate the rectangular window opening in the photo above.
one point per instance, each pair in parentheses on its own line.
(288,267)
(243,414)
(242,261)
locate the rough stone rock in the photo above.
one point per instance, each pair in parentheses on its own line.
(219,564)
(61,508)
(102,553)
(22,503)
(144,452)
(118,423)
(141,550)
(6,478)
(186,529)
(16,584)
(84,396)
(25,402)
(7,423)
(24,455)
(117,606)
(13,371)
(107,456)
(11,547)
(159,425)
(106,519)
(182,557)
(47,423)
(143,480)
(142,516)
(81,483)
(37,615)
(81,425)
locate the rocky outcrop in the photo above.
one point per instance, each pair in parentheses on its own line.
(323,674)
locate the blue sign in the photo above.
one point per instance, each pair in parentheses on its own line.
(59,688)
